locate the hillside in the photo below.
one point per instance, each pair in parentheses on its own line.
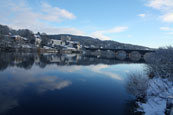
(89,41)
(84,40)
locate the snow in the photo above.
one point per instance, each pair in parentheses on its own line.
(158,93)
(46,47)
(154,106)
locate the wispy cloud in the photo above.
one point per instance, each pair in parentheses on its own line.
(168,17)
(165,7)
(129,36)
(142,15)
(54,14)
(100,34)
(169,33)
(166,28)
(161,4)
(62,30)
(115,29)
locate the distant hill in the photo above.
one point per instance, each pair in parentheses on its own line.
(89,41)
(84,40)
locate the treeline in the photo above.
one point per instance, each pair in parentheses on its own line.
(161,62)
(5,30)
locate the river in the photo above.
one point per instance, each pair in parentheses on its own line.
(52,84)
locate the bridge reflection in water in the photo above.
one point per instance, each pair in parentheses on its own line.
(27,60)
(120,54)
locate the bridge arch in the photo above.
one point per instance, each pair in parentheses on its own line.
(121,55)
(134,56)
(147,56)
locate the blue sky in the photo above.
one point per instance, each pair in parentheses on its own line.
(141,22)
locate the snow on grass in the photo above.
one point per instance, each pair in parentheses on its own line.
(158,93)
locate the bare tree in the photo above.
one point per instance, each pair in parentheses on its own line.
(161,62)
(137,84)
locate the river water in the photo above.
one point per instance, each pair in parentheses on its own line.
(50,84)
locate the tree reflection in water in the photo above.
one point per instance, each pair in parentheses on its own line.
(27,60)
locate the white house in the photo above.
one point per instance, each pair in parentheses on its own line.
(19,38)
(56,42)
(37,40)
(74,44)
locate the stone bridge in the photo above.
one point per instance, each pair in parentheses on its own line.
(122,54)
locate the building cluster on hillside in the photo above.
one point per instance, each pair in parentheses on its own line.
(65,43)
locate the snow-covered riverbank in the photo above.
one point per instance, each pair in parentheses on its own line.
(159,94)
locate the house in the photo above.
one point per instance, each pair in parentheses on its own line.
(55,43)
(18,38)
(65,43)
(37,40)
(74,44)
(37,36)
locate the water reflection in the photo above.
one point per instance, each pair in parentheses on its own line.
(63,84)
(13,84)
(26,60)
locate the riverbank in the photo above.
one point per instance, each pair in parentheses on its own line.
(158,97)
(158,92)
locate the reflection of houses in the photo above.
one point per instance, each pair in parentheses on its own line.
(70,58)
(17,60)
